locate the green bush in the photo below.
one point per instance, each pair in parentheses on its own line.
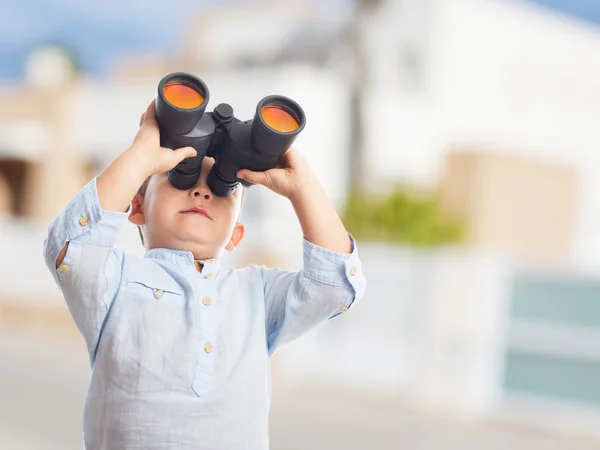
(401,216)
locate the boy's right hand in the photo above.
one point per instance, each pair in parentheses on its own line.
(146,146)
(120,181)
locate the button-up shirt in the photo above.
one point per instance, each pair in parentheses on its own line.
(180,358)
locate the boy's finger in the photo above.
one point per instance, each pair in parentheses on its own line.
(151,111)
(184,152)
(149,114)
(252,177)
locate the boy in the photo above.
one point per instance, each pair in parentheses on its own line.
(179,348)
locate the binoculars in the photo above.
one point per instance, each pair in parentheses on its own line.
(255,144)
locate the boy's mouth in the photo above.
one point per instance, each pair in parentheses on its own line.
(196,210)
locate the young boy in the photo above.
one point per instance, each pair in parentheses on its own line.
(180,348)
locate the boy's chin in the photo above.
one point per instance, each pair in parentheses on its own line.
(193,239)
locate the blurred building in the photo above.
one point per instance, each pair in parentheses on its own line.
(32,138)
(522,207)
(497,76)
(505,326)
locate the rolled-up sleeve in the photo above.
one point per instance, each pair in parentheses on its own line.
(82,220)
(90,273)
(328,285)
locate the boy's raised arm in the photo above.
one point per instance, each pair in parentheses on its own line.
(331,280)
(118,183)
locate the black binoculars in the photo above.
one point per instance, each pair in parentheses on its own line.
(255,144)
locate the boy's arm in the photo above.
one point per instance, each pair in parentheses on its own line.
(114,189)
(329,284)
(331,279)
(119,182)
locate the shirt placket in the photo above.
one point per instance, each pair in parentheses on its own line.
(206,289)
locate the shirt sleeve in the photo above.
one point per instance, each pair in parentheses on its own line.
(90,273)
(329,284)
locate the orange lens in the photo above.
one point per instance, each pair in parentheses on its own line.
(182,95)
(278,119)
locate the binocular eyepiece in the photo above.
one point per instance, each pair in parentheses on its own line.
(255,144)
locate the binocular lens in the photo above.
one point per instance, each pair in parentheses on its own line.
(182,95)
(278,119)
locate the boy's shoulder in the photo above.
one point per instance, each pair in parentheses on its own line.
(250,272)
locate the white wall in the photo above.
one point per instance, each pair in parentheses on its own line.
(497,74)
(431,329)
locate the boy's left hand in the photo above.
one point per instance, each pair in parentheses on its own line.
(294,179)
(291,176)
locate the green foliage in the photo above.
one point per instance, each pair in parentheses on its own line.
(402,216)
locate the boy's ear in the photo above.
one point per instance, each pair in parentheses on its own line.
(136,216)
(236,237)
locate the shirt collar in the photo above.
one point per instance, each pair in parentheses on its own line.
(181,257)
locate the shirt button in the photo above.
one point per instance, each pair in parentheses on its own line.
(353,271)
(64,268)
(84,221)
(207,301)
(208,348)
(208,275)
(158,293)
(343,309)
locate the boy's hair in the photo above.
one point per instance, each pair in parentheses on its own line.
(144,187)
(142,192)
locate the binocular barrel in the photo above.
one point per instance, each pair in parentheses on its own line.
(277,121)
(256,144)
(181,102)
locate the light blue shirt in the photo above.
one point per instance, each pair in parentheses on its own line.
(180,358)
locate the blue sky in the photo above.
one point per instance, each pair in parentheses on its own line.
(588,10)
(97,31)
(101,31)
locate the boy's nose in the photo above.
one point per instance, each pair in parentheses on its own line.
(201,189)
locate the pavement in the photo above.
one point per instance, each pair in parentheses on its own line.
(44,376)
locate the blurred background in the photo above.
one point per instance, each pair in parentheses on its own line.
(455,137)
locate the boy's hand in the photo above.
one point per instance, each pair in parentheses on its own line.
(120,181)
(146,145)
(294,179)
(290,177)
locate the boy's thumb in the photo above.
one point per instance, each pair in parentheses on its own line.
(252,177)
(185,152)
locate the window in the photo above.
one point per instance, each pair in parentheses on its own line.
(12,186)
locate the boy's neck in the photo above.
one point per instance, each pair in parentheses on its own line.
(198,265)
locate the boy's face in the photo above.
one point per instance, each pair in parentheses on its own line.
(195,220)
